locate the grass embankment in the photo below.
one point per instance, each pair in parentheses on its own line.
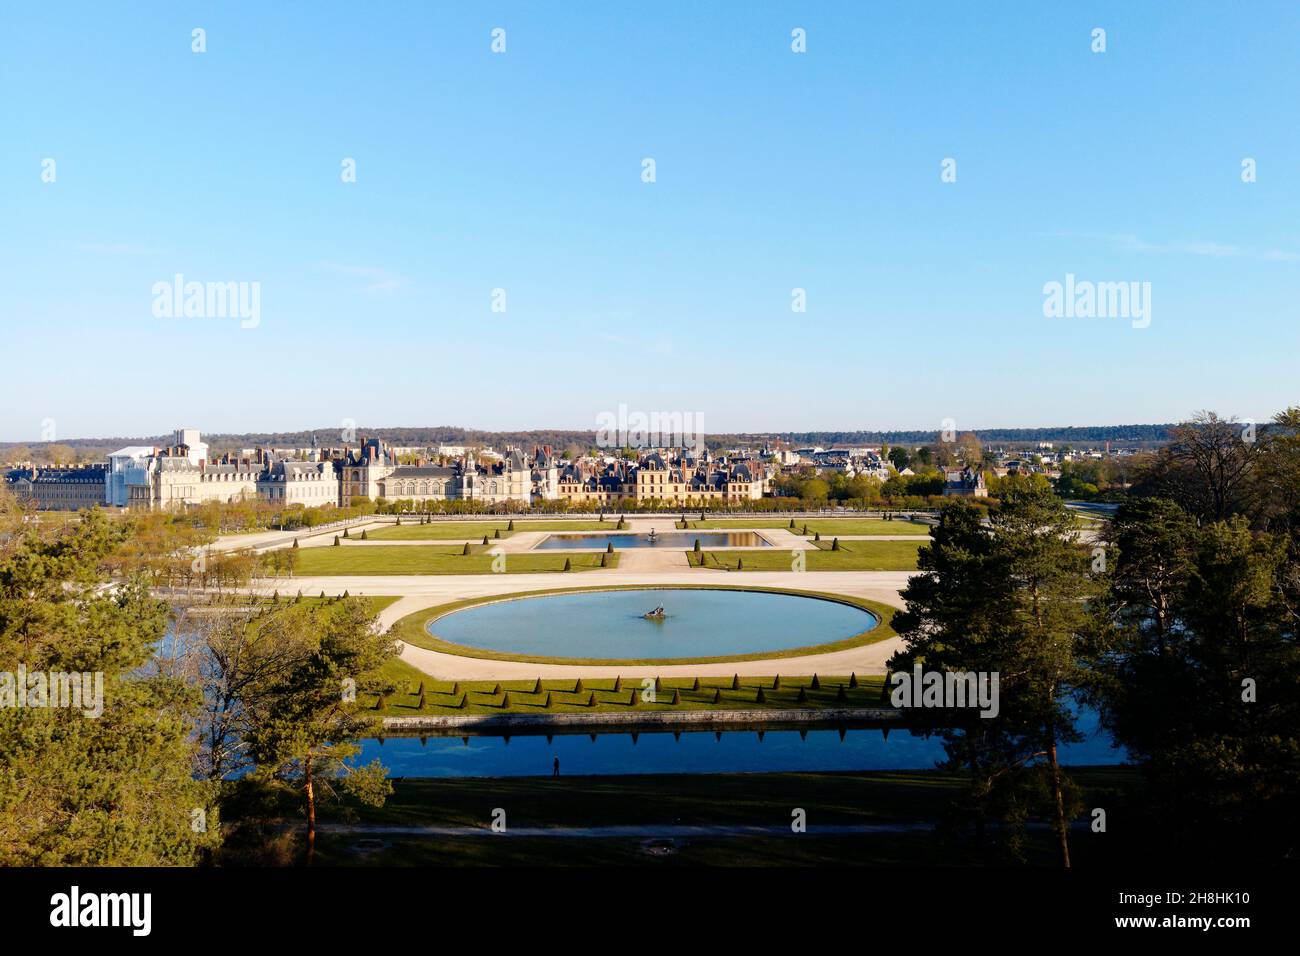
(827,526)
(374,603)
(851,556)
(411,530)
(617,695)
(765,800)
(412,629)
(435,559)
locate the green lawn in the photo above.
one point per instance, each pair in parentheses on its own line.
(852,556)
(827,526)
(411,530)
(413,630)
(830,527)
(601,696)
(374,604)
(435,559)
(703,800)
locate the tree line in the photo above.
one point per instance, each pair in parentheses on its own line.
(1178,624)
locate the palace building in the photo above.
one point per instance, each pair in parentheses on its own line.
(181,474)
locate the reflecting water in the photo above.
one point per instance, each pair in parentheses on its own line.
(612,624)
(739,751)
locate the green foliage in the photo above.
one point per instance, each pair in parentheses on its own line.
(1010,598)
(108,790)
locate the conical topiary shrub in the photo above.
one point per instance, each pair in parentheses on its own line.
(511,525)
(835,545)
(609,547)
(791,524)
(345,532)
(817,536)
(336,541)
(853,680)
(295,542)
(740,564)
(365,535)
(816,684)
(465,550)
(735,682)
(803,696)
(760,697)
(568,565)
(485,539)
(604,560)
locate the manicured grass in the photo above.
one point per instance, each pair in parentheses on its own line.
(435,559)
(827,526)
(375,604)
(852,556)
(606,695)
(411,530)
(842,526)
(412,629)
(877,797)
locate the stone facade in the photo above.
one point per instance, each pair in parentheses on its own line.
(60,489)
(681,481)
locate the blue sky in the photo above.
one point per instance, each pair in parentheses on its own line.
(522,171)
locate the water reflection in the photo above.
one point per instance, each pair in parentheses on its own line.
(648,751)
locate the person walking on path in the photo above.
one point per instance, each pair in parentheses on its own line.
(555,767)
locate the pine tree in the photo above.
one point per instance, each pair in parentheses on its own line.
(1014,590)
(117,789)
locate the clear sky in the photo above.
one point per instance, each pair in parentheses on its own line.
(523,171)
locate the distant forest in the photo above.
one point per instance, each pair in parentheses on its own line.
(560,439)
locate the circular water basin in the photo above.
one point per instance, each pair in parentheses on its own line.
(612,625)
